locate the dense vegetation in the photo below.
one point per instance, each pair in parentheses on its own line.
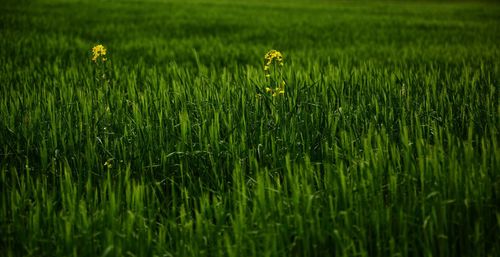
(385,142)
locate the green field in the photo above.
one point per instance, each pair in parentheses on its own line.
(385,142)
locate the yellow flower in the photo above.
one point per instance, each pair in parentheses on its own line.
(273,54)
(270,57)
(276,57)
(280,90)
(277,91)
(98,51)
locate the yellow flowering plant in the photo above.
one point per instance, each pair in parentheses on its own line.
(273,64)
(102,75)
(100,60)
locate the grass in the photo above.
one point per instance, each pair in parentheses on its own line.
(385,143)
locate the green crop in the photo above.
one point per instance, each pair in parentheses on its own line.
(375,134)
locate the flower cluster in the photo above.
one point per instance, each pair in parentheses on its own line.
(278,90)
(268,60)
(277,79)
(98,51)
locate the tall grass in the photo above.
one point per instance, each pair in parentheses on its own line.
(385,142)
